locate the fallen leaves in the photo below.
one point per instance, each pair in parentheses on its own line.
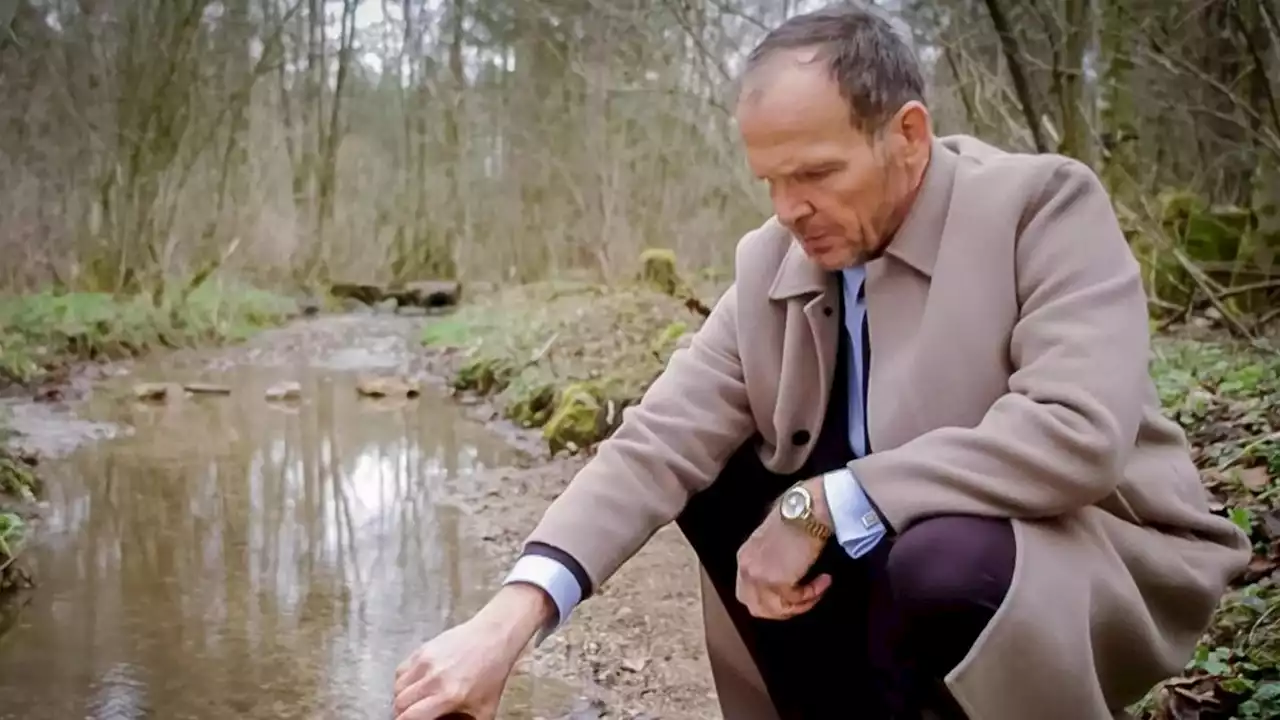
(1227,399)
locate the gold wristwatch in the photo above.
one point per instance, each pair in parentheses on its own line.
(796,507)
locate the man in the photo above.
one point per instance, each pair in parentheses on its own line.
(915,446)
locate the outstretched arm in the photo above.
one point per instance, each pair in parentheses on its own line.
(670,445)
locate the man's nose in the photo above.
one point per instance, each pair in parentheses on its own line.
(790,207)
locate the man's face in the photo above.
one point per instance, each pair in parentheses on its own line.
(839,191)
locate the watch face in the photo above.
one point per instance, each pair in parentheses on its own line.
(794,504)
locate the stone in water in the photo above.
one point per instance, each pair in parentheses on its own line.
(287,390)
(157,391)
(381,387)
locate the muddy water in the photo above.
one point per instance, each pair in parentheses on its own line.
(230,557)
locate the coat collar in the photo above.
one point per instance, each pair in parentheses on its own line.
(915,243)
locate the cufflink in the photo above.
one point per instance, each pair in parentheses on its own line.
(870,520)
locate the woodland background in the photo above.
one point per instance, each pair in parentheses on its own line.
(298,142)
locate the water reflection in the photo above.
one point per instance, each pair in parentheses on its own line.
(234,559)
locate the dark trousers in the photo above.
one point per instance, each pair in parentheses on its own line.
(889,628)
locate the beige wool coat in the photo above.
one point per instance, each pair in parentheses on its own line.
(1009,377)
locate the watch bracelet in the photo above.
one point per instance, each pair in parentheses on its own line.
(815,528)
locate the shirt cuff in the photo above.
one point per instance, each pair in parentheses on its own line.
(555,580)
(858,527)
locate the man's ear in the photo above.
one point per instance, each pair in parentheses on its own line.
(913,129)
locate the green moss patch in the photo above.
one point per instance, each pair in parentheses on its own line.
(565,357)
(19,487)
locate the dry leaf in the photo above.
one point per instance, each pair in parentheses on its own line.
(1254,478)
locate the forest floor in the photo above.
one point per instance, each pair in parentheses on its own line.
(560,360)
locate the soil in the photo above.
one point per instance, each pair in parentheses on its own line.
(637,646)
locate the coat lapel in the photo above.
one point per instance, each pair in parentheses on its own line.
(897,290)
(812,291)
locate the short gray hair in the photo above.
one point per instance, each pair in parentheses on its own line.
(871,62)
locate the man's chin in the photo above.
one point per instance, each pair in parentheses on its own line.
(834,261)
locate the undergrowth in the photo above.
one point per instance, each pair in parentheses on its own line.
(568,358)
(44,333)
(1227,398)
(19,487)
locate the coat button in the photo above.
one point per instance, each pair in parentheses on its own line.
(827,311)
(800,437)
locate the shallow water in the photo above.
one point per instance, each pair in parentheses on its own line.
(230,557)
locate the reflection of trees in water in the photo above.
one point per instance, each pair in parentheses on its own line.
(234,545)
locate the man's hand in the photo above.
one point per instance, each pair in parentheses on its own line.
(464,669)
(776,557)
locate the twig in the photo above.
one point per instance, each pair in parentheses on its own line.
(542,351)
(1245,449)
(1254,630)
(1204,282)
(1266,319)
(1207,285)
(1183,312)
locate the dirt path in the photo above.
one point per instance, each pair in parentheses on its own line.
(637,646)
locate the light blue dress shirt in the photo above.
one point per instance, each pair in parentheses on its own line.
(857,525)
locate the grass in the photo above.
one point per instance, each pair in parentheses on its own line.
(566,357)
(44,333)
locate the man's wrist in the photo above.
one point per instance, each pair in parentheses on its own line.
(518,611)
(820,508)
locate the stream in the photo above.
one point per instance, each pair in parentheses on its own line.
(226,556)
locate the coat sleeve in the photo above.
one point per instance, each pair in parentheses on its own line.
(670,445)
(1058,439)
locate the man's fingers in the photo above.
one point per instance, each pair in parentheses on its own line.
(777,603)
(407,665)
(800,595)
(428,699)
(746,593)
(410,672)
(428,708)
(407,697)
(810,592)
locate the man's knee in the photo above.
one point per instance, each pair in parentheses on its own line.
(952,561)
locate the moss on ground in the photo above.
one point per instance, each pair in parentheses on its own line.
(44,333)
(19,487)
(569,358)
(565,357)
